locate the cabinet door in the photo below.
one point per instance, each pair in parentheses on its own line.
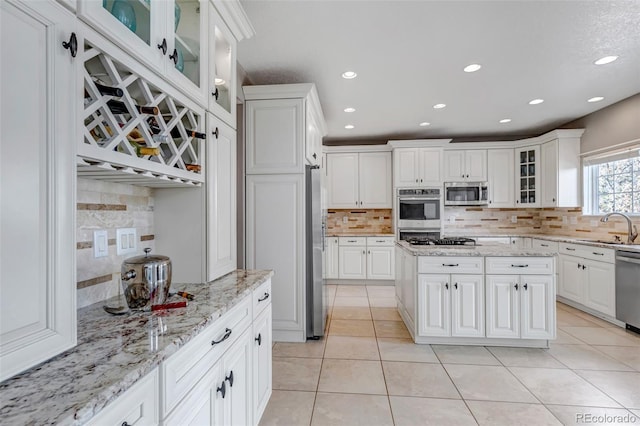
(222,69)
(600,288)
(313,140)
(406,163)
(275,136)
(500,176)
(204,404)
(380,263)
(476,165)
(570,275)
(503,306)
(374,180)
(399,273)
(454,167)
(434,317)
(238,374)
(467,305)
(262,372)
(527,176)
(342,187)
(332,257)
(221,199)
(430,167)
(537,306)
(38,129)
(549,178)
(353,263)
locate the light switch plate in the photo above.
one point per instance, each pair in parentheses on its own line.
(573,220)
(514,219)
(100,243)
(345,219)
(126,241)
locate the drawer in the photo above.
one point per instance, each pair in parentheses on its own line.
(520,265)
(381,241)
(544,244)
(588,252)
(139,405)
(261,298)
(183,369)
(353,241)
(450,265)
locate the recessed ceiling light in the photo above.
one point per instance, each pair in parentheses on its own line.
(350,109)
(595,99)
(605,60)
(424,124)
(349,75)
(439,106)
(219,81)
(505,120)
(349,126)
(472,68)
(536,101)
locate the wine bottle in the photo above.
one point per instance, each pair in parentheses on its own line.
(108,90)
(195,134)
(118,107)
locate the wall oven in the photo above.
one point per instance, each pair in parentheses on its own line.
(466,194)
(418,208)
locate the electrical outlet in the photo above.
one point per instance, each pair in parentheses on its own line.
(126,241)
(100,243)
(564,220)
(452,218)
(345,219)
(514,219)
(594,223)
(381,218)
(573,220)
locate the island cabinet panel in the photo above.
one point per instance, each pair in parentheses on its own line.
(538,307)
(503,309)
(434,318)
(467,306)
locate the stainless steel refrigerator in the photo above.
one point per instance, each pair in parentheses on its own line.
(314,236)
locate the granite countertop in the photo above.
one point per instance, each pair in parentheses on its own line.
(361,234)
(114,352)
(469,250)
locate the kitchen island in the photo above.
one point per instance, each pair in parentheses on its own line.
(490,294)
(115,353)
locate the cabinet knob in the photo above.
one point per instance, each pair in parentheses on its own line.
(222,389)
(456,286)
(215,94)
(416,180)
(579,266)
(516,286)
(446,285)
(525,286)
(216,132)
(420,180)
(229,378)
(314,156)
(174,57)
(584,267)
(259,339)
(72,45)
(163,46)
(553,199)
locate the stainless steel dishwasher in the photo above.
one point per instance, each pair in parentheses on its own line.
(628,289)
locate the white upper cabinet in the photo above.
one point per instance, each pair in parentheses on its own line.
(222,69)
(285,127)
(527,181)
(360,180)
(500,169)
(168,36)
(417,167)
(40,87)
(561,172)
(465,165)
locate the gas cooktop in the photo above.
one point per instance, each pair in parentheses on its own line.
(451,241)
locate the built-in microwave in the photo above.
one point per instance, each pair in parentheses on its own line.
(466,194)
(418,208)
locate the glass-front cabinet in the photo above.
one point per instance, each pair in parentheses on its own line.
(222,69)
(528,176)
(169,36)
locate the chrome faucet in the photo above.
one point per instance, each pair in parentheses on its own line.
(633,231)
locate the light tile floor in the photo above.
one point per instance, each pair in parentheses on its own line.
(367,371)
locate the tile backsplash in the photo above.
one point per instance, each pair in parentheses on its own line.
(366,221)
(103,205)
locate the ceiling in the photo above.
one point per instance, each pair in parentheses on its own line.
(410,55)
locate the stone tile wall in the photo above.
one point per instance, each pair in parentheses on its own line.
(103,205)
(366,221)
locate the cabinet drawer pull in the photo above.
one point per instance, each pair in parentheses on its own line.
(259,339)
(570,249)
(380,241)
(451,264)
(352,241)
(222,389)
(230,379)
(225,337)
(263,298)
(544,245)
(598,254)
(519,266)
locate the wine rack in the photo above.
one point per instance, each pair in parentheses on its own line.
(144,137)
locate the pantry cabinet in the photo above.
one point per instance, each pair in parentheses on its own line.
(465,165)
(359,180)
(417,167)
(500,172)
(40,88)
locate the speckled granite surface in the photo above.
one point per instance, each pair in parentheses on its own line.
(113,352)
(481,250)
(358,234)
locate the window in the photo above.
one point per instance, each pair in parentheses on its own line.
(612,183)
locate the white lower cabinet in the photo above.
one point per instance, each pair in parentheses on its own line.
(362,258)
(262,342)
(353,262)
(451,305)
(587,276)
(331,258)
